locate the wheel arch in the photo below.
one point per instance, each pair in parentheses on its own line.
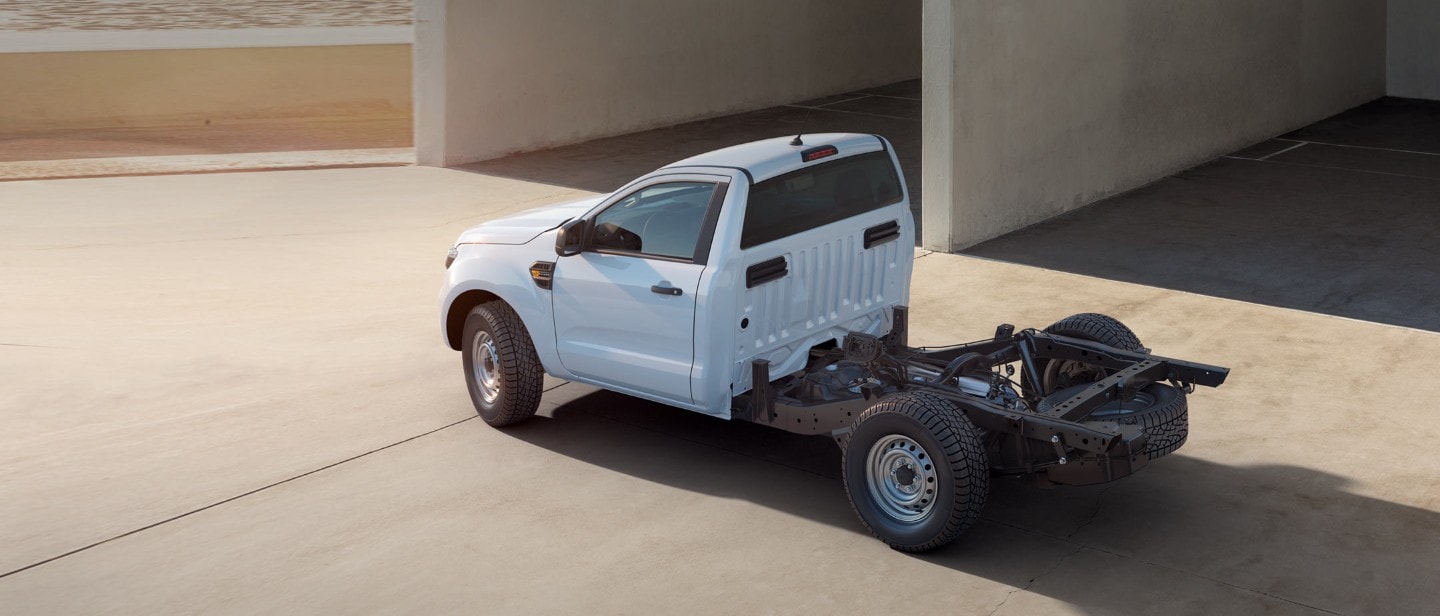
(459,309)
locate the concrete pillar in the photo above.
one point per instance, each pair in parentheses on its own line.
(937,115)
(1053,105)
(1413,61)
(429,79)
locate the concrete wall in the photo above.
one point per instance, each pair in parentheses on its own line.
(1413,62)
(1036,107)
(93,89)
(499,76)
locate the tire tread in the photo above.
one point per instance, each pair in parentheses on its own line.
(519,364)
(1166,428)
(963,449)
(1097,327)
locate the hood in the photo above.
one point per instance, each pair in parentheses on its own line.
(527,225)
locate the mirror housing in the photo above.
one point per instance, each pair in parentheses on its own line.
(571,238)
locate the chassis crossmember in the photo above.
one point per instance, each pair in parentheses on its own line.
(1055,436)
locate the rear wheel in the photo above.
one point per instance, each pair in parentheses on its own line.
(502,370)
(915,471)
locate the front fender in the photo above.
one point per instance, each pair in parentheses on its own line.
(503,271)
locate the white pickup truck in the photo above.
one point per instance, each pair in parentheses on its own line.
(767,282)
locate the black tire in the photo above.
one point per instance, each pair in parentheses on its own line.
(1058,374)
(508,390)
(960,474)
(1159,409)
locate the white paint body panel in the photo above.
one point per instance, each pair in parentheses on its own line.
(523,227)
(611,328)
(602,325)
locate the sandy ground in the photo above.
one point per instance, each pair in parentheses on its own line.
(269,144)
(60,137)
(96,15)
(227,394)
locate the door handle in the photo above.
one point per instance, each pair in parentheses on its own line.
(655,288)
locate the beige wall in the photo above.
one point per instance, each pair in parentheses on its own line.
(90,89)
(1414,51)
(499,76)
(1036,107)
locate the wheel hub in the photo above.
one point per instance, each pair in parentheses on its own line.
(905,476)
(1062,374)
(485,364)
(1136,402)
(901,478)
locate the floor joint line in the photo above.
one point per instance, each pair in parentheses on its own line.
(1277,153)
(1361,147)
(878,115)
(903,98)
(227,500)
(823,106)
(1332,167)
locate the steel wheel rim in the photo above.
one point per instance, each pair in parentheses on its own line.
(1142,400)
(901,478)
(1068,373)
(485,365)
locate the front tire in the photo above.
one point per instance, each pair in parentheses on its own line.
(502,370)
(915,471)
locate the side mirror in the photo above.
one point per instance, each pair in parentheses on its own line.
(571,238)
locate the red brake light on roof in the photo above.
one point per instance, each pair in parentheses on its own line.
(818,153)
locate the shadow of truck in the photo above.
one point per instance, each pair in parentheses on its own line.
(1258,532)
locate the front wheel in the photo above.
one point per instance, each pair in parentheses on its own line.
(502,369)
(915,471)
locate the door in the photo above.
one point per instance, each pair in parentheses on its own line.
(625,306)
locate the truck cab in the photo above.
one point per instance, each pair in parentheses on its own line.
(672,286)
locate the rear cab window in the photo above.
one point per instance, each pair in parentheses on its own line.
(819,195)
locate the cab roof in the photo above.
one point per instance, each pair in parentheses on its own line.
(768,158)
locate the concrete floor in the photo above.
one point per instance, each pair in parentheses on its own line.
(1339,217)
(227,394)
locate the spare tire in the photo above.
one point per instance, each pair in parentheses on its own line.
(1058,374)
(1159,409)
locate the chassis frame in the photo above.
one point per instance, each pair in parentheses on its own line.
(1059,444)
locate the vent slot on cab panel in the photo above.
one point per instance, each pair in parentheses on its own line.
(765,271)
(881,233)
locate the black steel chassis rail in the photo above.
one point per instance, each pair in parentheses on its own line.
(1050,346)
(1060,426)
(763,406)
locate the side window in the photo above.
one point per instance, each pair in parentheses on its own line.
(661,220)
